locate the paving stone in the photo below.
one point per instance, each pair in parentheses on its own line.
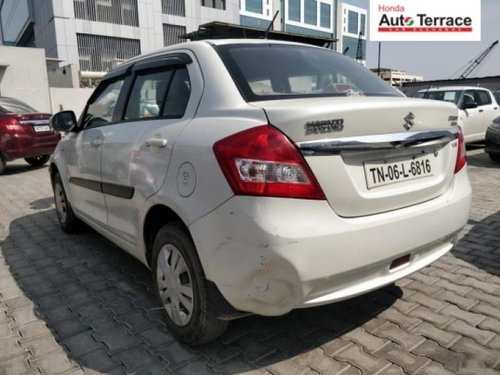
(115,339)
(404,338)
(320,362)
(464,329)
(42,345)
(137,358)
(451,360)
(424,300)
(408,362)
(17,365)
(156,336)
(476,352)
(469,317)
(53,363)
(136,321)
(430,316)
(10,347)
(368,341)
(355,355)
(490,324)
(462,302)
(175,354)
(81,343)
(33,329)
(444,338)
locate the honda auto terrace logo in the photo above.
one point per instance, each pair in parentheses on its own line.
(426,20)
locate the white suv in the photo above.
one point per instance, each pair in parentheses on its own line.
(260,177)
(477,107)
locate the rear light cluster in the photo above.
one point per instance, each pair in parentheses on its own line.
(12,125)
(263,161)
(462,154)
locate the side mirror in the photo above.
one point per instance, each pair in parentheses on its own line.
(63,121)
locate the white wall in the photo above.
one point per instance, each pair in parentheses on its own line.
(71,99)
(24,76)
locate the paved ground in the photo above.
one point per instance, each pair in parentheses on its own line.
(73,304)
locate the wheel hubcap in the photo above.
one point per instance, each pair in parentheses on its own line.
(60,200)
(174,285)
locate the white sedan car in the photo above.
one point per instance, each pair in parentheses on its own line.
(477,107)
(256,176)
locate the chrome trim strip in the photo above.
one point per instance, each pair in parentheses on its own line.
(437,137)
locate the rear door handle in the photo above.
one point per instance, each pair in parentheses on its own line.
(157,142)
(480,110)
(96,142)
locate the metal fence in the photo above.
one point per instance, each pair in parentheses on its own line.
(121,12)
(101,53)
(173,7)
(172,33)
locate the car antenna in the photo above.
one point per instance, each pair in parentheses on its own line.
(271,24)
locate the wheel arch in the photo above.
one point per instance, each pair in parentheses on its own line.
(156,217)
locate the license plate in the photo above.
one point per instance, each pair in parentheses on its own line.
(41,128)
(391,171)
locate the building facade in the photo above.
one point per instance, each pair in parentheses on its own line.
(98,34)
(397,78)
(95,35)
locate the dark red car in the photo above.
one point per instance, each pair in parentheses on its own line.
(25,133)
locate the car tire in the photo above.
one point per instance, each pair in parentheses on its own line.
(2,164)
(37,161)
(176,267)
(495,157)
(67,219)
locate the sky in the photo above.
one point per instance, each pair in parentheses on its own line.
(441,60)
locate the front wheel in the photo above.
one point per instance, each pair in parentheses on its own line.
(495,157)
(181,288)
(38,161)
(67,219)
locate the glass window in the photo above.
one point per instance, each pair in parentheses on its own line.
(295,71)
(146,98)
(217,4)
(100,110)
(11,105)
(352,24)
(294,10)
(450,96)
(362,28)
(311,12)
(325,15)
(483,98)
(178,94)
(254,6)
(497,96)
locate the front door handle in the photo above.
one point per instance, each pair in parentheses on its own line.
(96,142)
(157,142)
(480,110)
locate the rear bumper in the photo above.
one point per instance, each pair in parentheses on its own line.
(268,256)
(25,146)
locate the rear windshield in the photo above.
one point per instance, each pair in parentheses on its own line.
(451,96)
(274,71)
(10,105)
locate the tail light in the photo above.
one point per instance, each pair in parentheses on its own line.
(462,154)
(12,125)
(263,161)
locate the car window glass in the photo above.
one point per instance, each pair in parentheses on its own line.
(483,98)
(11,105)
(471,95)
(497,96)
(147,95)
(290,71)
(450,96)
(178,94)
(100,111)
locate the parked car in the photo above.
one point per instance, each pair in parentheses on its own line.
(260,188)
(496,94)
(492,147)
(25,133)
(477,107)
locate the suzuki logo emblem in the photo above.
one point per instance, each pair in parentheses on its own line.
(409,121)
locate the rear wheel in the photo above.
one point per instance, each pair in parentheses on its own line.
(181,288)
(67,219)
(2,164)
(495,157)
(38,161)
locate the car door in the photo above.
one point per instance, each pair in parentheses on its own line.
(471,119)
(488,107)
(84,160)
(136,150)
